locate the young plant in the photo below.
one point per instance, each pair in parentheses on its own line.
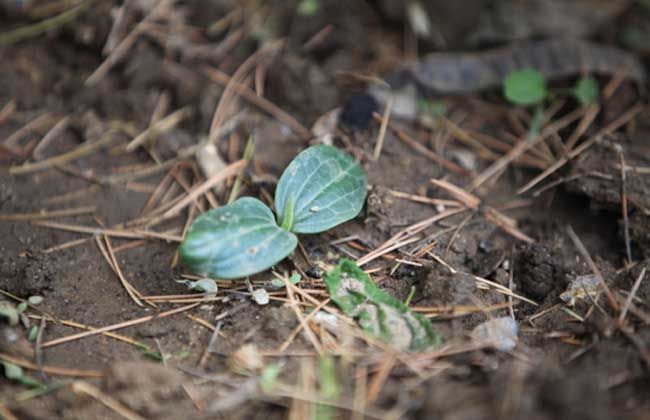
(528,87)
(321,188)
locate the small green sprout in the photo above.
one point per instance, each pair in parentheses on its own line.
(321,188)
(528,87)
(586,90)
(308,7)
(525,87)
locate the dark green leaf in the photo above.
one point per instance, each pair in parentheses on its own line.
(235,241)
(586,90)
(379,314)
(321,188)
(525,87)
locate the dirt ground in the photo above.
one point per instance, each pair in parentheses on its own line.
(589,360)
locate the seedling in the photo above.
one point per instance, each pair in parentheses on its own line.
(525,87)
(321,188)
(528,87)
(378,313)
(586,90)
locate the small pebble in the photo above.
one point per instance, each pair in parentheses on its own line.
(501,333)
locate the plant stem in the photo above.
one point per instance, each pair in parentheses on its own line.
(248,154)
(287,220)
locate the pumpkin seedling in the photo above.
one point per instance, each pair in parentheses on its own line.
(528,87)
(321,188)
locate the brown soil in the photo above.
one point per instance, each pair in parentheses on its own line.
(580,366)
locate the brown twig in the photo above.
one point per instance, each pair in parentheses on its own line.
(264,104)
(221,176)
(81,387)
(420,148)
(120,325)
(64,158)
(630,297)
(594,268)
(523,146)
(52,370)
(382,129)
(626,222)
(14,217)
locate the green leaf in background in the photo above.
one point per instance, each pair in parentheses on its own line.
(269,377)
(308,7)
(236,240)
(586,90)
(9,311)
(525,87)
(321,188)
(379,314)
(15,373)
(329,390)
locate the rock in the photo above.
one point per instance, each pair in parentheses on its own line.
(500,333)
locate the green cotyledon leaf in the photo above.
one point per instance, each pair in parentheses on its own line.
(378,313)
(236,240)
(321,188)
(525,87)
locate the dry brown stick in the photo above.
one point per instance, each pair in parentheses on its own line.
(155,195)
(491,214)
(80,387)
(231,83)
(6,414)
(626,222)
(163,125)
(594,268)
(219,177)
(420,148)
(379,380)
(124,46)
(465,137)
(359,397)
(583,125)
(406,233)
(423,199)
(64,158)
(118,326)
(301,318)
(47,214)
(52,370)
(287,342)
(65,245)
(381,135)
(129,234)
(37,123)
(107,251)
(557,165)
(7,111)
(523,146)
(54,132)
(630,297)
(188,223)
(259,101)
(115,336)
(608,129)
(72,195)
